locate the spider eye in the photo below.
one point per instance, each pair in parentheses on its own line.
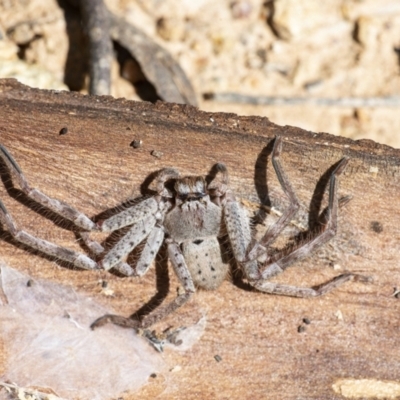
(191,196)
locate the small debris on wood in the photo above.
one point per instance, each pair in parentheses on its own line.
(158,341)
(157,154)
(105,289)
(339,315)
(177,368)
(301,328)
(376,226)
(136,144)
(108,292)
(63,131)
(396,293)
(217,358)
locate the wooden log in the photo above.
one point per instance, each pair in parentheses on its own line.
(270,346)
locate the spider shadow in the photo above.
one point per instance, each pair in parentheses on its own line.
(26,201)
(161,262)
(162,286)
(261,168)
(317,216)
(21,197)
(56,219)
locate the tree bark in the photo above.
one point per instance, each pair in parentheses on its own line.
(268,346)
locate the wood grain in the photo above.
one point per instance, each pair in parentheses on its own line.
(353,331)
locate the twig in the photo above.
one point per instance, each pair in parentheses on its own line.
(157,64)
(353,102)
(96,22)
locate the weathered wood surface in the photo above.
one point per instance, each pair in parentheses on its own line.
(354,330)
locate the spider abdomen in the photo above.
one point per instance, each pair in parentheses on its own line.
(205,263)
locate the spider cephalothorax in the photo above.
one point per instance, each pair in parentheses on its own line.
(190,216)
(190,188)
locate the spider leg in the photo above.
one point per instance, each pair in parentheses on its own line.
(236,221)
(146,216)
(181,270)
(150,250)
(295,291)
(161,178)
(275,230)
(128,242)
(183,274)
(95,247)
(147,256)
(304,250)
(219,185)
(59,207)
(328,233)
(77,259)
(130,216)
(119,320)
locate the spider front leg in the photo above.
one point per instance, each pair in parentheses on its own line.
(79,219)
(305,250)
(236,220)
(59,207)
(275,230)
(181,270)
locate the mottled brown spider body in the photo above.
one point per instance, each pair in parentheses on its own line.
(189,217)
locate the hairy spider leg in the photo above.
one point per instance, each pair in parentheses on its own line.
(306,249)
(59,207)
(142,215)
(275,230)
(79,260)
(183,274)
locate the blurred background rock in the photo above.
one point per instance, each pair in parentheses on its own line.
(279,48)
